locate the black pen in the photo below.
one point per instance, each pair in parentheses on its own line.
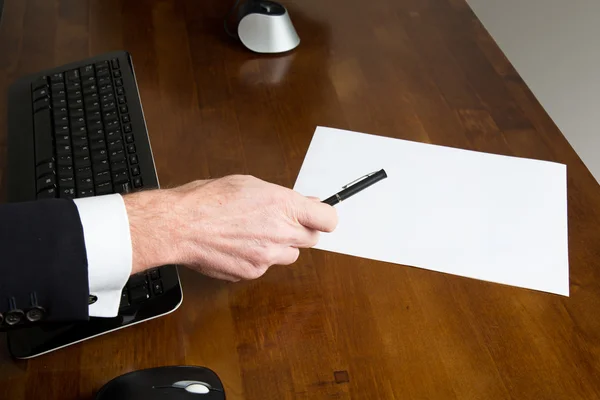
(356,186)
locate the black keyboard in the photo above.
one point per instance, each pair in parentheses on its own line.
(84,139)
(79,131)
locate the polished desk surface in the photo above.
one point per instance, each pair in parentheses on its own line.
(330,326)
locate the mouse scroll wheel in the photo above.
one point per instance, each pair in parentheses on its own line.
(266,9)
(197,388)
(193,386)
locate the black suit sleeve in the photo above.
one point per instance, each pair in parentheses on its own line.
(43,257)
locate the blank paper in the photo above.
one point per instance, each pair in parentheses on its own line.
(485,216)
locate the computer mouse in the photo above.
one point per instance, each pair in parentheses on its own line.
(162,383)
(265,27)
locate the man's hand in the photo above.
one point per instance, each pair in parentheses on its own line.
(230,228)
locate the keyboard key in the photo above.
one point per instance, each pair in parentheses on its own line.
(110,114)
(127,128)
(59,94)
(157,288)
(138,294)
(133,159)
(135,170)
(93,105)
(111,123)
(101,166)
(65,172)
(129,138)
(46,182)
(102,177)
(117,73)
(81,151)
(58,86)
(124,298)
(74,95)
(43,135)
(87,71)
(118,166)
(125,119)
(123,188)
(82,162)
(62,130)
(96,145)
(82,130)
(45,168)
(120,91)
(96,134)
(67,193)
(102,71)
(62,140)
(89,90)
(93,116)
(83,173)
(59,112)
(40,94)
(131,148)
(136,280)
(105,188)
(137,182)
(71,86)
(114,133)
(115,63)
(73,75)
(119,82)
(41,104)
(117,156)
(63,150)
(66,183)
(85,192)
(77,122)
(79,141)
(120,177)
(105,80)
(154,274)
(85,183)
(77,112)
(58,77)
(95,124)
(88,82)
(99,156)
(115,145)
(121,99)
(123,109)
(39,83)
(76,102)
(65,161)
(49,193)
(104,89)
(59,103)
(108,105)
(61,121)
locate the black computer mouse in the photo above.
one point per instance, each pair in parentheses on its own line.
(162,383)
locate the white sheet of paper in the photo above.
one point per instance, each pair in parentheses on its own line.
(490,217)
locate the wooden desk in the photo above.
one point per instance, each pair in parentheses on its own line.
(330,326)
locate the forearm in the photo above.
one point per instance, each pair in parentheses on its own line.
(151,224)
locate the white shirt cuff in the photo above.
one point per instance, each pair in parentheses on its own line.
(108,246)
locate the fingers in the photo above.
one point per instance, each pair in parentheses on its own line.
(316,215)
(304,237)
(288,256)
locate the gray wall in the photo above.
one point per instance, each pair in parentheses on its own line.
(555,47)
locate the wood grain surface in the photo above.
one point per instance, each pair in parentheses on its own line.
(330,326)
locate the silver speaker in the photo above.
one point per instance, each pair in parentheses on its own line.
(265,27)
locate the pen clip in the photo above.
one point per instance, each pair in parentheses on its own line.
(359,179)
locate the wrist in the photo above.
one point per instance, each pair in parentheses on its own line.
(150,226)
